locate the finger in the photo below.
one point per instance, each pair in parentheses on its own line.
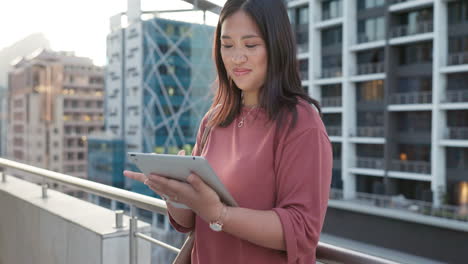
(181,152)
(172,187)
(134,175)
(157,189)
(196,182)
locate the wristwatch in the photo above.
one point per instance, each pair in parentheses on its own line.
(217,225)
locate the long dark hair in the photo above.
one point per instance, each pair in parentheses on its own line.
(282,86)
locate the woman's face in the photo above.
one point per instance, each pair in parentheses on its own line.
(243,52)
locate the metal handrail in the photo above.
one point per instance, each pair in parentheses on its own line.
(326,253)
(331,101)
(412,98)
(113,193)
(423,167)
(455,96)
(458,58)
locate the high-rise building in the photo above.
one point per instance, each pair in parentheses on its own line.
(392,80)
(55,101)
(158,83)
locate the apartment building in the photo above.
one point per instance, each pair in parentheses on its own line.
(55,101)
(392,78)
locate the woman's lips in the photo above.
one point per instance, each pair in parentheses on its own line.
(241,72)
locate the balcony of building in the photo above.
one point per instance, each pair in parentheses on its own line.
(46,226)
(370,68)
(457,58)
(456,96)
(332,72)
(414,166)
(370,163)
(332,101)
(411,101)
(409,30)
(334,130)
(370,131)
(412,25)
(456,133)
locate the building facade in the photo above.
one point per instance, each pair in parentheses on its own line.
(158,84)
(392,79)
(55,101)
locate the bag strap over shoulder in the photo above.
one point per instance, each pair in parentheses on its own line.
(207,129)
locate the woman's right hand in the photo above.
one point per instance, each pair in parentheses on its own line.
(183,217)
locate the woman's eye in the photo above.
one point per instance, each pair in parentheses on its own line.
(226,46)
(251,46)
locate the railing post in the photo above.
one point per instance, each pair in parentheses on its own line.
(132,238)
(3,176)
(119,219)
(44,190)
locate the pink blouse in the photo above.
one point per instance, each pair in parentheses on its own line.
(292,179)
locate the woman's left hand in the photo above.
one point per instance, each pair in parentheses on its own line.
(196,194)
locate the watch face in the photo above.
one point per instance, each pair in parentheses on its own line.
(216,227)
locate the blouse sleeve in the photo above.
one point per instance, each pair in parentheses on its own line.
(303,166)
(201,128)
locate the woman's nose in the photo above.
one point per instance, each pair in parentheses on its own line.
(239,57)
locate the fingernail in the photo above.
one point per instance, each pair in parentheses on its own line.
(190,178)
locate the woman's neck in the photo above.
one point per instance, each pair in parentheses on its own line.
(250,99)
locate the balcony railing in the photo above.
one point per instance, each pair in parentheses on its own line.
(412,98)
(423,167)
(326,253)
(407,30)
(370,68)
(456,96)
(400,203)
(370,131)
(331,101)
(457,133)
(332,72)
(366,37)
(333,130)
(458,58)
(370,163)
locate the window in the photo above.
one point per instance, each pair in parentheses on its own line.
(457,12)
(303,13)
(80,155)
(457,158)
(416,53)
(370,91)
(331,9)
(371,29)
(332,36)
(414,84)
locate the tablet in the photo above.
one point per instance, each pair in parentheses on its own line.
(179,167)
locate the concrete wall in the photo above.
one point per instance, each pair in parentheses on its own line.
(60,229)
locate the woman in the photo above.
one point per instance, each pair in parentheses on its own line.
(268,146)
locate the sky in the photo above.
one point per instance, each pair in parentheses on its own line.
(77,25)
